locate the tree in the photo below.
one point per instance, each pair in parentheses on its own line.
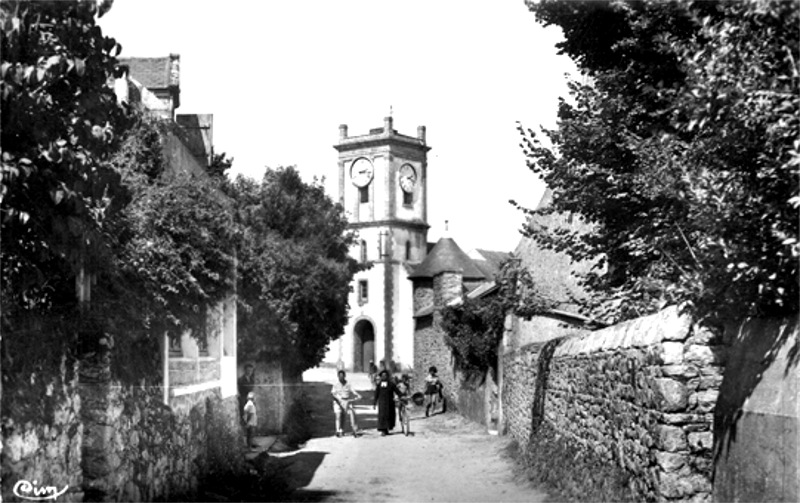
(60,121)
(474,328)
(682,150)
(294,268)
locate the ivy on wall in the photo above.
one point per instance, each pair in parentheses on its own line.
(474,328)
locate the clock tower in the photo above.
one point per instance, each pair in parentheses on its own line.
(383,189)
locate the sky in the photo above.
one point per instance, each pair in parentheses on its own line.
(280,76)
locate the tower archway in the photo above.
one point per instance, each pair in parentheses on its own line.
(363,345)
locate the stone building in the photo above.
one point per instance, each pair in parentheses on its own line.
(383,187)
(446,277)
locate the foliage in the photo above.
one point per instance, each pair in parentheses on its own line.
(60,121)
(219,166)
(86,190)
(177,253)
(294,268)
(474,328)
(681,149)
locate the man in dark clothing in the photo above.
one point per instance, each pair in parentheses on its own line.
(246,385)
(384,402)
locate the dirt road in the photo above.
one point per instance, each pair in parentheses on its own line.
(447,458)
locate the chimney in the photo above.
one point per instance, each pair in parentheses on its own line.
(342,131)
(387,125)
(421,133)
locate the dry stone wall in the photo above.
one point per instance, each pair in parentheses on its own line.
(639,395)
(102,440)
(45,452)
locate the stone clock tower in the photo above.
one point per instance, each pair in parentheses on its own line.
(383,188)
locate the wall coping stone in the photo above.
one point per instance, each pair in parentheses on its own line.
(666,325)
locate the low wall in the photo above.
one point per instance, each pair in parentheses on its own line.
(638,396)
(138,449)
(100,440)
(43,451)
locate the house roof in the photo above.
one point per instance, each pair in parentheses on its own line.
(446,256)
(152,73)
(488,261)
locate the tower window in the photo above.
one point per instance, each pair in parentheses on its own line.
(408,198)
(363,194)
(363,251)
(363,291)
(408,250)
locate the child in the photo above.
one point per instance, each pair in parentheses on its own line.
(404,393)
(433,390)
(250,419)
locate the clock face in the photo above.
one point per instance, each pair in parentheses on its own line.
(361,172)
(408,178)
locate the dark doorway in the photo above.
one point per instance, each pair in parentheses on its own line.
(363,345)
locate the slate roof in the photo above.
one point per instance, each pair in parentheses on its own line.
(446,256)
(152,73)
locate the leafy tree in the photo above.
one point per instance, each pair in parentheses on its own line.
(60,121)
(474,328)
(220,164)
(294,268)
(172,241)
(681,148)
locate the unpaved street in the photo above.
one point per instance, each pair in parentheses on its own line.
(447,458)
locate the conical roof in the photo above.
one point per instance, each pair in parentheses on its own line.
(446,256)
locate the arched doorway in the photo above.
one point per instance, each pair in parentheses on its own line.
(363,345)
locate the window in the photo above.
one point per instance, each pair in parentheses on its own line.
(363,194)
(363,291)
(175,345)
(408,250)
(363,251)
(408,198)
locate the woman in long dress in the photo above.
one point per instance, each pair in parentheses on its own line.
(384,401)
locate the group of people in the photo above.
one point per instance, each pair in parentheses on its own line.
(390,397)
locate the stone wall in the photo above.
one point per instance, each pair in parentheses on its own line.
(136,448)
(102,440)
(639,395)
(45,451)
(430,348)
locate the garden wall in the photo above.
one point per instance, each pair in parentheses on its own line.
(44,449)
(638,397)
(657,408)
(102,440)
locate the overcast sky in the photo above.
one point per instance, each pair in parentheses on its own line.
(280,76)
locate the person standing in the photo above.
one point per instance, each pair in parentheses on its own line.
(384,402)
(433,390)
(403,396)
(250,419)
(343,396)
(246,384)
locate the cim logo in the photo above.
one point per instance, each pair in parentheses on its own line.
(34,492)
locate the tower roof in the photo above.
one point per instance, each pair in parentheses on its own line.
(446,256)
